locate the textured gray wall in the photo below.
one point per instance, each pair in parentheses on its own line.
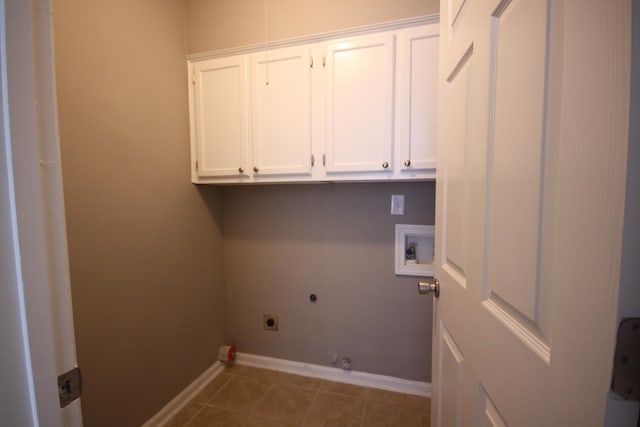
(145,245)
(282,243)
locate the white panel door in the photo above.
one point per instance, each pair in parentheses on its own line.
(281,112)
(359,104)
(220,119)
(532,138)
(416,99)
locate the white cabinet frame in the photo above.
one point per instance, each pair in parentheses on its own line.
(340,118)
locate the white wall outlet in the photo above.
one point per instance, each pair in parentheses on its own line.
(397,204)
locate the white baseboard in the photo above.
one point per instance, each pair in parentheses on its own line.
(335,374)
(184,397)
(306,369)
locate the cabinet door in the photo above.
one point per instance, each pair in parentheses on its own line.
(359,104)
(416,90)
(281,112)
(220,123)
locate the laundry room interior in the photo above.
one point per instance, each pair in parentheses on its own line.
(164,271)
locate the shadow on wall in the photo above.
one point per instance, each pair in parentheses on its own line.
(212,198)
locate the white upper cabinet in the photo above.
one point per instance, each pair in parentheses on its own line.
(219,118)
(416,101)
(281,112)
(359,104)
(352,108)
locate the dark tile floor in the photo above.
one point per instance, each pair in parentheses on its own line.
(245,396)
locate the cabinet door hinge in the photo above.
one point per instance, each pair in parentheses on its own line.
(69,386)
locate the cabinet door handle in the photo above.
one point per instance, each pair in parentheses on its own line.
(255,169)
(241,169)
(385,165)
(407,163)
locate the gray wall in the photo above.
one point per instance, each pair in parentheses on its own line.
(282,243)
(145,245)
(213,25)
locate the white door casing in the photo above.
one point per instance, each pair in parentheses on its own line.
(33,190)
(532,140)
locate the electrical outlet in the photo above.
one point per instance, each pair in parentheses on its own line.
(397,204)
(270,322)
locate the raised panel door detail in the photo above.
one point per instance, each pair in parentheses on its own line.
(455,171)
(489,416)
(515,172)
(220,117)
(359,104)
(416,95)
(281,112)
(455,8)
(450,392)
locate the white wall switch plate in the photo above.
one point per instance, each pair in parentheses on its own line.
(397,204)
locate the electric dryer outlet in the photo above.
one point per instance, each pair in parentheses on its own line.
(270,322)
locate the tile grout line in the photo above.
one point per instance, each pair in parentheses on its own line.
(209,403)
(364,407)
(193,417)
(271,382)
(315,397)
(205,404)
(262,399)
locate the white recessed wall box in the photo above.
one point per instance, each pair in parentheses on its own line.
(414,250)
